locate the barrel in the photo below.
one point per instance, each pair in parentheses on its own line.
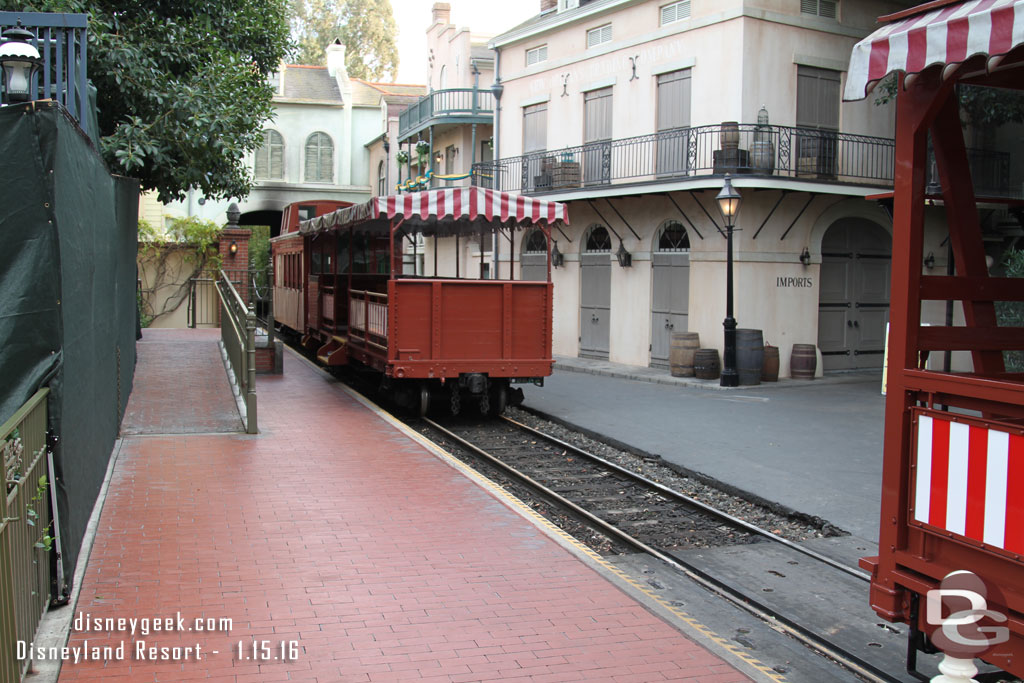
(680,357)
(803,362)
(729,134)
(770,369)
(762,157)
(706,364)
(749,356)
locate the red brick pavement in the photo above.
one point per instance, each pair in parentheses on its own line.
(335,530)
(180,385)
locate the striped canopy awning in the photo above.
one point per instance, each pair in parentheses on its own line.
(472,204)
(938,33)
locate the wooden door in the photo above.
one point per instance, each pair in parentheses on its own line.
(595,294)
(597,136)
(670,290)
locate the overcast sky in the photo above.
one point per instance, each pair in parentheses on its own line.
(486,17)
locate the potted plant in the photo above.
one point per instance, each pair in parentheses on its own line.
(402,157)
(422,150)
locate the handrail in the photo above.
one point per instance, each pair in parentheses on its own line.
(238,337)
(443,103)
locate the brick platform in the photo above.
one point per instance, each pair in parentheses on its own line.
(335,530)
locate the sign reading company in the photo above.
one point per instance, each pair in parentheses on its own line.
(789,282)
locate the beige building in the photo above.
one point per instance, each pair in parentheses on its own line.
(633,111)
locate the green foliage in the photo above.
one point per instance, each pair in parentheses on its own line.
(366,28)
(147,233)
(1011,313)
(45,540)
(145,319)
(182,86)
(200,234)
(259,253)
(980,106)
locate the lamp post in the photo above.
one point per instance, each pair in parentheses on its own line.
(20,61)
(729,204)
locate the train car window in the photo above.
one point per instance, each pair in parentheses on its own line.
(306,212)
(317,262)
(360,255)
(344,255)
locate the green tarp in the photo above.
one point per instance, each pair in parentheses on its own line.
(67,298)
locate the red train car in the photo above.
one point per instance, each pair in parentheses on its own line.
(431,338)
(952,519)
(291,262)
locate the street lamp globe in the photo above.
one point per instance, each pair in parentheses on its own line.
(20,61)
(729,201)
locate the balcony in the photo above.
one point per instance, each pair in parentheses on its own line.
(61,40)
(684,153)
(453,106)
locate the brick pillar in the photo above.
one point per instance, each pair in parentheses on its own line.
(236,265)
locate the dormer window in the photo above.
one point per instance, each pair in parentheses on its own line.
(599,35)
(819,8)
(567,4)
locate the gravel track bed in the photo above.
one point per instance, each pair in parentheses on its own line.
(795,527)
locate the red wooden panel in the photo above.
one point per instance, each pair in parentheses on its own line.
(943,288)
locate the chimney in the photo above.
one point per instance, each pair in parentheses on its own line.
(335,58)
(545,5)
(442,12)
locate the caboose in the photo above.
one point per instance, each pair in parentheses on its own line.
(952,519)
(446,340)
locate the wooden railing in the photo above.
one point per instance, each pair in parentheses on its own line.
(238,334)
(25,531)
(368,317)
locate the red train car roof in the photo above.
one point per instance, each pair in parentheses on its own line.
(935,34)
(471,206)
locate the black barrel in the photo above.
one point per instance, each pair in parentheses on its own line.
(749,356)
(706,364)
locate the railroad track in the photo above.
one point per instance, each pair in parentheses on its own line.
(644,516)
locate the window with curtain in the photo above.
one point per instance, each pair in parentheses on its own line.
(319,158)
(270,157)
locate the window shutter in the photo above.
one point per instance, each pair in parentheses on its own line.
(262,159)
(808,6)
(827,8)
(600,35)
(677,11)
(312,161)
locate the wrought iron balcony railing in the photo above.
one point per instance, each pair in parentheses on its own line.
(446,104)
(62,42)
(763,150)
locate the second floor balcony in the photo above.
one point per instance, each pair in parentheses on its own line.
(453,106)
(681,153)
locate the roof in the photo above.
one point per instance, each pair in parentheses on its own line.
(446,211)
(369,92)
(935,34)
(309,83)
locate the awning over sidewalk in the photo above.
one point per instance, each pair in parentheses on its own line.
(473,204)
(934,34)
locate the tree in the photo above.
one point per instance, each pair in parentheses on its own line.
(366,27)
(182,86)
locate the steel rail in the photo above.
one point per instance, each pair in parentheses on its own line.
(734,595)
(725,516)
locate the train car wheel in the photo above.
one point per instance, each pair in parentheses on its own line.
(424,402)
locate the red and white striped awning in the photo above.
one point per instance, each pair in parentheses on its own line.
(456,203)
(950,33)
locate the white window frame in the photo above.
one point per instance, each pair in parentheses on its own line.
(564,5)
(324,172)
(599,36)
(673,12)
(537,55)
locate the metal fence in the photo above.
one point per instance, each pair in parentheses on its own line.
(204,306)
(450,102)
(679,153)
(990,173)
(238,334)
(24,556)
(62,42)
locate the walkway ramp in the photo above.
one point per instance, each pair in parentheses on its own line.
(181,386)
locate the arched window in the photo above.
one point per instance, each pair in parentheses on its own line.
(673,237)
(270,156)
(443,80)
(598,239)
(319,158)
(535,242)
(382,179)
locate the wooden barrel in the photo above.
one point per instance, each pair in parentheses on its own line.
(680,357)
(803,362)
(729,134)
(706,364)
(770,369)
(749,356)
(762,157)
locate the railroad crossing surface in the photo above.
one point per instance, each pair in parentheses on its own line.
(343,549)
